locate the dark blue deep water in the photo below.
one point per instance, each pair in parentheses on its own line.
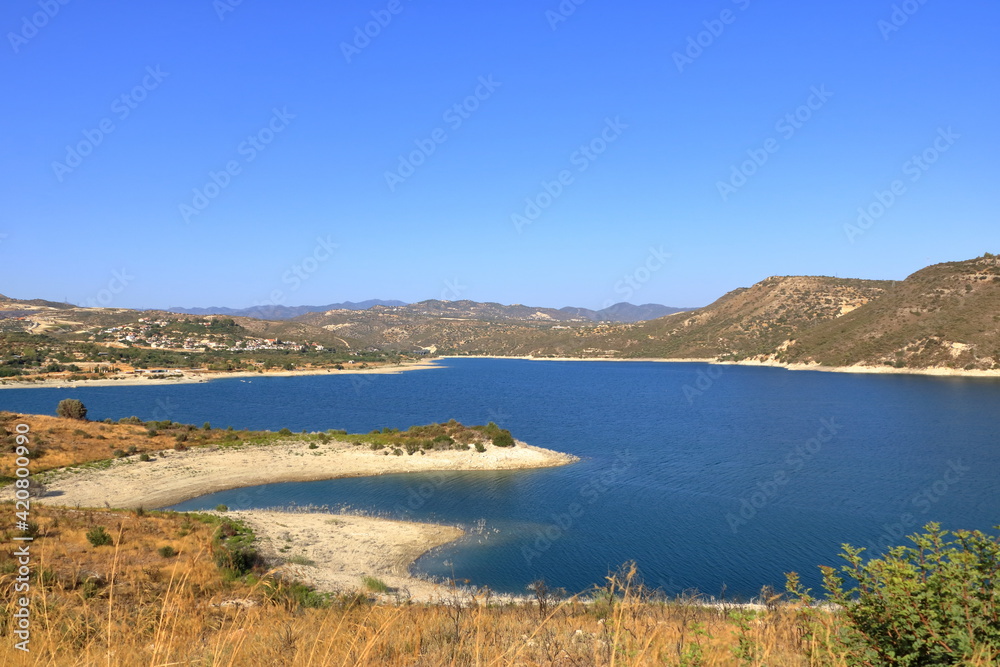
(707,476)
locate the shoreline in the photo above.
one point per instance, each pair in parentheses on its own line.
(172,477)
(329,551)
(194,377)
(875,370)
(333,552)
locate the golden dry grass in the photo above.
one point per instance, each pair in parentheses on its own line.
(57,442)
(125,604)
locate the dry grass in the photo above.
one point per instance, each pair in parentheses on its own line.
(124,604)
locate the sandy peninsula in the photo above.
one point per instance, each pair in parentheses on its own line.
(171,476)
(333,552)
(329,551)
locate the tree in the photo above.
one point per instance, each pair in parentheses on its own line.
(71,408)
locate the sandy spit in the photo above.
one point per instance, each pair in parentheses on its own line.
(172,477)
(332,552)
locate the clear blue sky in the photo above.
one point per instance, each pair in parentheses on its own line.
(677,129)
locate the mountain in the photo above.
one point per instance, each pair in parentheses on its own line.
(946,315)
(277,312)
(620,312)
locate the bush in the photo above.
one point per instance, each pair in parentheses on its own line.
(313,445)
(374,585)
(167,551)
(180,447)
(98,537)
(285,431)
(503,439)
(221,508)
(119,454)
(932,604)
(143,457)
(480,447)
(71,408)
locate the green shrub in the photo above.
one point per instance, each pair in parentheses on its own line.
(144,457)
(167,551)
(313,445)
(119,453)
(480,447)
(207,426)
(374,585)
(932,604)
(71,408)
(98,537)
(221,508)
(285,431)
(503,439)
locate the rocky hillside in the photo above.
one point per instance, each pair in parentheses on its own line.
(945,315)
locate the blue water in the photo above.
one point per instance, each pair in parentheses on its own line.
(709,477)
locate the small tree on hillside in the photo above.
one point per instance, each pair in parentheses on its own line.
(71,408)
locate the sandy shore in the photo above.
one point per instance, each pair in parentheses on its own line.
(880,370)
(172,477)
(188,377)
(332,552)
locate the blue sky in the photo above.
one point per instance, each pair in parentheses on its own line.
(599,152)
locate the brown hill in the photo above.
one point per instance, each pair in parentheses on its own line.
(946,315)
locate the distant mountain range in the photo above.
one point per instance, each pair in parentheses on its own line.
(269,312)
(943,316)
(619,312)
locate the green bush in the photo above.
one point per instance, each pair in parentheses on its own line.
(143,457)
(285,431)
(503,439)
(932,604)
(71,408)
(221,508)
(167,551)
(374,585)
(480,447)
(98,537)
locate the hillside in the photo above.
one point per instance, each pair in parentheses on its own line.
(946,315)
(279,312)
